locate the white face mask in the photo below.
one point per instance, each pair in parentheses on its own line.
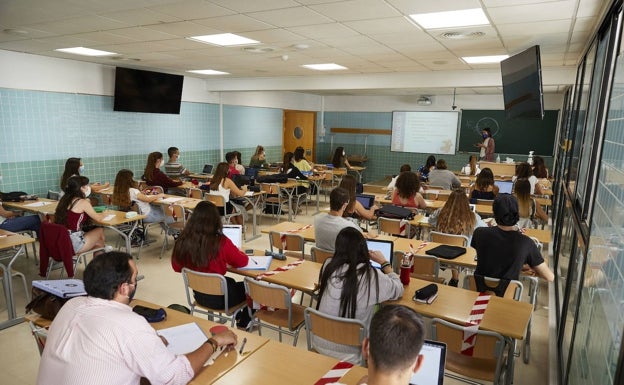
(87,191)
(81,169)
(344,153)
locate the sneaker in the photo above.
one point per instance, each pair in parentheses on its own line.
(108,248)
(453,282)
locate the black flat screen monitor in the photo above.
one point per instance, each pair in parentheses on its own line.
(522,85)
(147,91)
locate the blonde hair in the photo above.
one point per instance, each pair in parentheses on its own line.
(455,216)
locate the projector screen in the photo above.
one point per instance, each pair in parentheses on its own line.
(426,132)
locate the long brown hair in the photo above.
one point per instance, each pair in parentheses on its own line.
(407,185)
(72,192)
(455,216)
(152,158)
(287,162)
(72,167)
(522,191)
(539,167)
(199,242)
(121,191)
(485,179)
(349,183)
(220,174)
(473,164)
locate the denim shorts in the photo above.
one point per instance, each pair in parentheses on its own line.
(77,239)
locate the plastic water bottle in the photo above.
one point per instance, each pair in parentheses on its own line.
(530,160)
(497,158)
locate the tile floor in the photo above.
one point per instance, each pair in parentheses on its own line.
(20,357)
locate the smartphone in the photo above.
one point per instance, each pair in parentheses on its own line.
(249,252)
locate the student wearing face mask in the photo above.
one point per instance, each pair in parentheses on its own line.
(155,177)
(487,146)
(74,210)
(340,158)
(75,167)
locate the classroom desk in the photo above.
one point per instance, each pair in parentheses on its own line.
(433,205)
(307,233)
(316,180)
(544,236)
(41,206)
(254,200)
(119,219)
(358,170)
(14,245)
(188,204)
(466,260)
(303,277)
(278,363)
(199,176)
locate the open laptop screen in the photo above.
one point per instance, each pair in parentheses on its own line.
(207,169)
(365,200)
(432,369)
(235,233)
(504,186)
(386,248)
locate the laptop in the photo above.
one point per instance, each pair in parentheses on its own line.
(386,248)
(207,169)
(366,200)
(251,172)
(504,186)
(432,369)
(235,233)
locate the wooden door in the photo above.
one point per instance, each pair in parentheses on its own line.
(299,130)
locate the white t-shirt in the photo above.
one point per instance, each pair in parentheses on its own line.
(143,206)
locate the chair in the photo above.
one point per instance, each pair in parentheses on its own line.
(287,317)
(196,193)
(393,227)
(15,273)
(443,197)
(292,245)
(320,255)
(219,201)
(211,284)
(40,334)
(272,197)
(299,199)
(487,359)
(426,267)
(344,331)
(33,235)
(448,239)
(488,202)
(173,228)
(55,244)
(514,289)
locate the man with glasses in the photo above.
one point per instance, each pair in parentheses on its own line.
(98,339)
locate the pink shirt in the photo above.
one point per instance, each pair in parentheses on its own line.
(102,342)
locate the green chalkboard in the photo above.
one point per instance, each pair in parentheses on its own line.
(517,136)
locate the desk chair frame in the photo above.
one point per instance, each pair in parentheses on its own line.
(174,228)
(393,227)
(320,255)
(426,267)
(273,196)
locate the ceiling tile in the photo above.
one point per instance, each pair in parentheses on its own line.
(182,29)
(191,9)
(245,6)
(142,34)
(537,27)
(356,10)
(140,16)
(234,23)
(79,25)
(290,17)
(532,12)
(273,35)
(320,31)
(382,26)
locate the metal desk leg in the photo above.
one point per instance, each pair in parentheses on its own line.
(126,237)
(317,184)
(254,204)
(7,284)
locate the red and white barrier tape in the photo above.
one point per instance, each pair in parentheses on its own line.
(472,325)
(335,373)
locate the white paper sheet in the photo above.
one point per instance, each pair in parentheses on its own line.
(183,338)
(38,204)
(172,199)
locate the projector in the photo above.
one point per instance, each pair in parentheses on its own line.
(424,101)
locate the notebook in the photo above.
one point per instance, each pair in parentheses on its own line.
(64,288)
(207,169)
(366,200)
(386,248)
(235,233)
(432,370)
(504,186)
(258,263)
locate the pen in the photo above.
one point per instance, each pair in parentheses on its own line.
(253,260)
(242,346)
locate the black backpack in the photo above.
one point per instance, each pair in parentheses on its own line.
(395,212)
(273,178)
(13,196)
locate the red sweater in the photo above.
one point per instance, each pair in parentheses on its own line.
(228,255)
(159,178)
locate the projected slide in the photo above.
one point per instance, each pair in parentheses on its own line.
(427,132)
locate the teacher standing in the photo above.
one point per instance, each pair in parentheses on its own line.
(487,146)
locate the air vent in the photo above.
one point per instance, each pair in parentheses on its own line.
(462,35)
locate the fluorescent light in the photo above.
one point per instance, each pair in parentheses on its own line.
(462,18)
(224,39)
(209,72)
(325,67)
(85,51)
(484,59)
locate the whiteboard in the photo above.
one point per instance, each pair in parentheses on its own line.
(426,132)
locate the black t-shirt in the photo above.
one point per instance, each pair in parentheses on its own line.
(501,254)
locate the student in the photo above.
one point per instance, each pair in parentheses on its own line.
(258,159)
(74,210)
(232,162)
(503,251)
(392,348)
(303,165)
(456,217)
(239,167)
(97,339)
(404,168)
(293,172)
(350,287)
(524,170)
(327,226)
(126,193)
(530,212)
(202,247)
(10,221)
(340,158)
(443,177)
(487,146)
(354,208)
(424,170)
(173,168)
(539,167)
(154,177)
(471,168)
(74,167)
(484,187)
(406,191)
(222,185)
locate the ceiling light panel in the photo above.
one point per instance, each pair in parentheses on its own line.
(451,19)
(85,51)
(224,39)
(484,59)
(209,72)
(325,67)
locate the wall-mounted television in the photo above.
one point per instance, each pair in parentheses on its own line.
(522,85)
(147,91)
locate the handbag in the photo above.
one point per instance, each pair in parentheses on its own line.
(45,304)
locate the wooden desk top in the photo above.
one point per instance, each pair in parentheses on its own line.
(279,363)
(119,218)
(9,239)
(437,204)
(222,364)
(307,234)
(544,236)
(303,277)
(187,203)
(505,316)
(465,260)
(39,206)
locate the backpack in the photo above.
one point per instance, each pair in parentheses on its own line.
(395,212)
(13,196)
(274,178)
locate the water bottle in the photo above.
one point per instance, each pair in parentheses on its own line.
(497,158)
